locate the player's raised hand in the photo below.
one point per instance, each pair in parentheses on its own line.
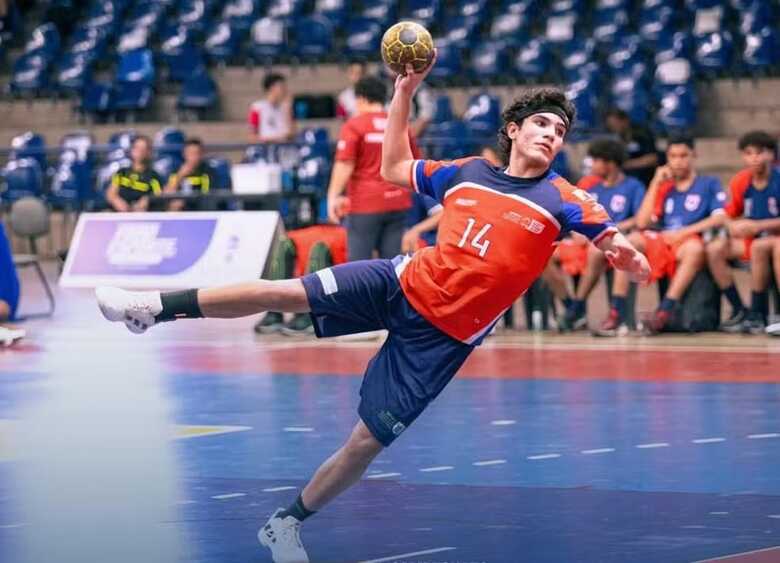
(410,80)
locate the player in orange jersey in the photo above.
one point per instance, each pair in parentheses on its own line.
(498,230)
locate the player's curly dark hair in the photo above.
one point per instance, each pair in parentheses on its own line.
(759,139)
(608,149)
(529,100)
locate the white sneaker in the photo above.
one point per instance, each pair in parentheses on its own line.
(136,309)
(283,537)
(773,329)
(10,335)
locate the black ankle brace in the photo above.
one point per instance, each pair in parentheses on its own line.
(179,305)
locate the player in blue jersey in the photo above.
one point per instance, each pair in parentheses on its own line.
(621,196)
(753,229)
(9,292)
(682,205)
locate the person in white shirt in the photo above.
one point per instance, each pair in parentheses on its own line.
(271,118)
(346,104)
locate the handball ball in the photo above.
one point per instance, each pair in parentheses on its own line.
(407,43)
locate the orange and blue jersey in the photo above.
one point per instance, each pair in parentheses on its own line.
(674,209)
(750,202)
(495,237)
(622,201)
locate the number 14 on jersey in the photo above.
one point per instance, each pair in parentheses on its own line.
(477,242)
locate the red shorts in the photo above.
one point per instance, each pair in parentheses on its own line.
(573,255)
(334,237)
(746,251)
(661,255)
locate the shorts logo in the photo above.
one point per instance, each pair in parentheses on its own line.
(391,422)
(536,227)
(465,202)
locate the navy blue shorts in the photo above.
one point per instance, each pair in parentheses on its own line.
(416,361)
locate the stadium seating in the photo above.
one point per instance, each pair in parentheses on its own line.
(72,185)
(223,44)
(22,178)
(362,38)
(449,64)
(713,53)
(536,62)
(461,32)
(29,145)
(335,11)
(198,94)
(314,39)
(221,168)
(489,62)
(268,41)
(762,51)
(483,115)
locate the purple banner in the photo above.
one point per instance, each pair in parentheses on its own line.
(143,247)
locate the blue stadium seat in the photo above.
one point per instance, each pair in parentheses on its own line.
(119,144)
(424,11)
(45,41)
(313,175)
(221,168)
(761,51)
(381,12)
(314,38)
(472,9)
(72,184)
(72,73)
(258,153)
(97,99)
(631,96)
(363,38)
(184,62)
(626,53)
(169,141)
(443,111)
(335,11)
(29,75)
(583,93)
(510,28)
(519,6)
(193,15)
(483,115)
(223,44)
(678,45)
(609,24)
(677,109)
(489,62)
(756,15)
(448,140)
(674,72)
(29,145)
(241,14)
(136,66)
(313,136)
(535,61)
(167,165)
(132,96)
(655,22)
(558,7)
(448,66)
(561,164)
(461,31)
(575,54)
(284,8)
(22,178)
(714,52)
(268,39)
(198,94)
(561,27)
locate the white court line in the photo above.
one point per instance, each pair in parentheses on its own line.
(405,555)
(598,451)
(489,462)
(503,422)
(229,495)
(543,456)
(735,555)
(276,489)
(382,475)
(775,516)
(183,502)
(719,513)
(762,436)
(12,526)
(708,440)
(298,429)
(437,468)
(653,445)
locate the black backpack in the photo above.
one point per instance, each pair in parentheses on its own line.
(699,308)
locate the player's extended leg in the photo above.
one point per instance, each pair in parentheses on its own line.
(340,471)
(719,251)
(615,323)
(774,329)
(142,309)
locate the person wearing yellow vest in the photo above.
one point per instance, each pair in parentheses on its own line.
(131,186)
(194,176)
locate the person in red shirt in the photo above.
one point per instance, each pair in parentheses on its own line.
(499,228)
(375,209)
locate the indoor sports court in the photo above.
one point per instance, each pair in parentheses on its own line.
(176,445)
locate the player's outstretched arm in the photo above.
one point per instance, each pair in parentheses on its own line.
(397,158)
(623,256)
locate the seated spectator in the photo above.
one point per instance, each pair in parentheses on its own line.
(621,195)
(271,118)
(194,177)
(301,252)
(9,293)
(346,103)
(639,142)
(753,231)
(422,220)
(684,206)
(131,187)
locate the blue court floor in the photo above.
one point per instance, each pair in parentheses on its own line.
(117,448)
